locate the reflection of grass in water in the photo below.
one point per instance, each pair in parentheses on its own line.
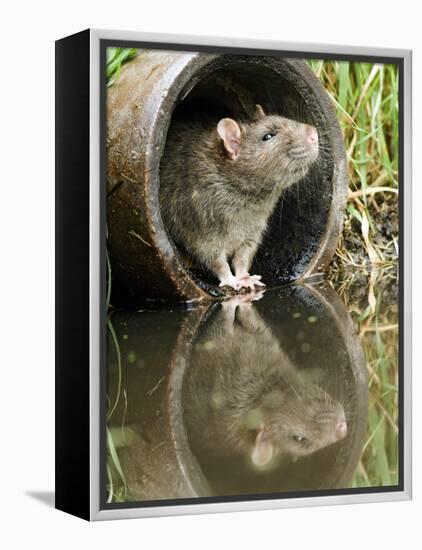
(376,321)
(378,465)
(365,97)
(116,482)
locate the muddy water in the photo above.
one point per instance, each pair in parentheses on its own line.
(282,393)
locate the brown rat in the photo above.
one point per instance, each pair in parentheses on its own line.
(220,184)
(243,396)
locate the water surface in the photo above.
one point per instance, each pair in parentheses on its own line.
(293,390)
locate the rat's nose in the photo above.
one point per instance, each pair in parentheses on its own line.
(312,134)
(341,428)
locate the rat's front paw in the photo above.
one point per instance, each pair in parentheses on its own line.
(251,281)
(231,282)
(244,282)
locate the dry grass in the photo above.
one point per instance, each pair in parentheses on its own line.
(366,100)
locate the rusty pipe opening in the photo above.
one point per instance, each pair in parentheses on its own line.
(160,87)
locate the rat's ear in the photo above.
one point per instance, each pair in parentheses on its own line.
(263,449)
(229,131)
(259,112)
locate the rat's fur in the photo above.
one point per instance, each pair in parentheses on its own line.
(216,205)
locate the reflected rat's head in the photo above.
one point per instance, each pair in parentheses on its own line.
(296,424)
(272,146)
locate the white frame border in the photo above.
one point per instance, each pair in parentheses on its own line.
(95,238)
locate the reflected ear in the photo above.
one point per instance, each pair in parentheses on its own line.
(263,449)
(229,131)
(259,112)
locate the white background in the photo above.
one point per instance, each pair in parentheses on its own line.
(27,271)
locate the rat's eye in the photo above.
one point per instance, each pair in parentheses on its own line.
(299,438)
(268,136)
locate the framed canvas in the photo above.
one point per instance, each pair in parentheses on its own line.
(233,283)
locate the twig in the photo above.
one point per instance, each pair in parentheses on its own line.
(155,388)
(371,191)
(129,179)
(383,328)
(157,446)
(132,232)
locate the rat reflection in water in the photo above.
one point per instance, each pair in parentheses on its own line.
(265,393)
(243,397)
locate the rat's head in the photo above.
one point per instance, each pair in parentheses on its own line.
(295,423)
(274,147)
